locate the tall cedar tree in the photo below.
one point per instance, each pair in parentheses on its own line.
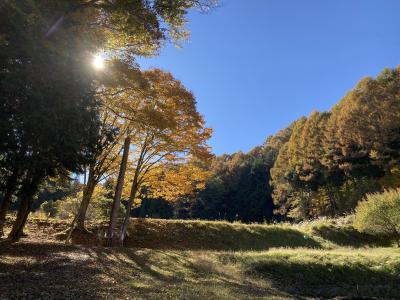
(48,110)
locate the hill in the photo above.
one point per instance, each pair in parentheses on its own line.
(226,236)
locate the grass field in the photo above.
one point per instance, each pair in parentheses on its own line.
(198,260)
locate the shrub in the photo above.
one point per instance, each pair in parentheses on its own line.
(49,208)
(99,206)
(379,214)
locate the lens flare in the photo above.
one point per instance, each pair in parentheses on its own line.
(98,62)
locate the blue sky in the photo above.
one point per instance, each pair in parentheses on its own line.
(257,65)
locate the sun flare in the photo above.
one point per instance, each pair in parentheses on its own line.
(98,62)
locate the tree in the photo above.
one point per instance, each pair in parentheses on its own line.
(49,110)
(175,134)
(130,28)
(368,125)
(117,90)
(313,176)
(177,179)
(105,159)
(118,191)
(284,168)
(210,203)
(239,187)
(334,158)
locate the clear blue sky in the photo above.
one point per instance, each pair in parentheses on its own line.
(257,65)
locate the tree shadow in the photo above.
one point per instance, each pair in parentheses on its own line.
(143,265)
(326,280)
(46,270)
(49,271)
(349,236)
(33,249)
(221,237)
(129,260)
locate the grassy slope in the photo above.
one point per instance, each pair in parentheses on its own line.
(209,235)
(315,264)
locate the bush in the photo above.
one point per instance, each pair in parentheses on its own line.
(67,207)
(379,214)
(49,208)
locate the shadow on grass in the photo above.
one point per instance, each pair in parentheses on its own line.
(32,249)
(311,279)
(48,271)
(162,274)
(213,236)
(349,236)
(39,270)
(57,271)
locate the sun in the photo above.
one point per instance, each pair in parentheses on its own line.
(98,62)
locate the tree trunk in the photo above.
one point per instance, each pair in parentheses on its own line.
(332,201)
(5,205)
(396,235)
(118,193)
(22,216)
(128,210)
(87,196)
(27,193)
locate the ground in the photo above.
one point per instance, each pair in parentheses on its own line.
(316,266)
